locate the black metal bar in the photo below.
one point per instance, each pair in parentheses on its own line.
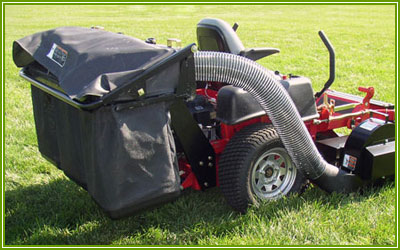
(151,71)
(145,102)
(235,26)
(187,82)
(331,50)
(197,148)
(61,96)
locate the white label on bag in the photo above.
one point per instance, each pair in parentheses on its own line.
(58,55)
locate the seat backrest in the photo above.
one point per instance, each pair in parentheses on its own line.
(217,35)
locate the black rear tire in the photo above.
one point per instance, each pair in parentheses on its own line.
(255,166)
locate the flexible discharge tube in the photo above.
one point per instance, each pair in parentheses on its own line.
(274,99)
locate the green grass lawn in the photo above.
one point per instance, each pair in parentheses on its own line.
(42,206)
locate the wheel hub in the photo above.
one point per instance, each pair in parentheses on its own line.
(269,172)
(273,174)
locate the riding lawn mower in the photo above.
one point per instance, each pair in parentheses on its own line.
(135,123)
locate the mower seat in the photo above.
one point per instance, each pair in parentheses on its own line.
(217,35)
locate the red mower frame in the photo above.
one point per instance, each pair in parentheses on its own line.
(351,111)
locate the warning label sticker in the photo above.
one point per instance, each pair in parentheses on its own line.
(58,55)
(349,162)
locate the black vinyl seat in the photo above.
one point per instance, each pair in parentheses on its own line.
(217,35)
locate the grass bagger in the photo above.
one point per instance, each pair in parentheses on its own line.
(135,123)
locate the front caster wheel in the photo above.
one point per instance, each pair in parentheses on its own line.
(255,167)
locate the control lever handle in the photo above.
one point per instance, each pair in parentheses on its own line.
(331,50)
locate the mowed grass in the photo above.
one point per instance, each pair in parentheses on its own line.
(44,207)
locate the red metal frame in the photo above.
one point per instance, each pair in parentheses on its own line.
(327,121)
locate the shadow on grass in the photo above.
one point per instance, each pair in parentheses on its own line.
(60,213)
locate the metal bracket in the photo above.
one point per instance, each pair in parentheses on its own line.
(198,150)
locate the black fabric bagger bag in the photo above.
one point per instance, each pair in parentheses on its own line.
(101,107)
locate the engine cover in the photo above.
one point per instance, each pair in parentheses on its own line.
(236,105)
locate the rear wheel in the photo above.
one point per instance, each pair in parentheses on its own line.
(255,166)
